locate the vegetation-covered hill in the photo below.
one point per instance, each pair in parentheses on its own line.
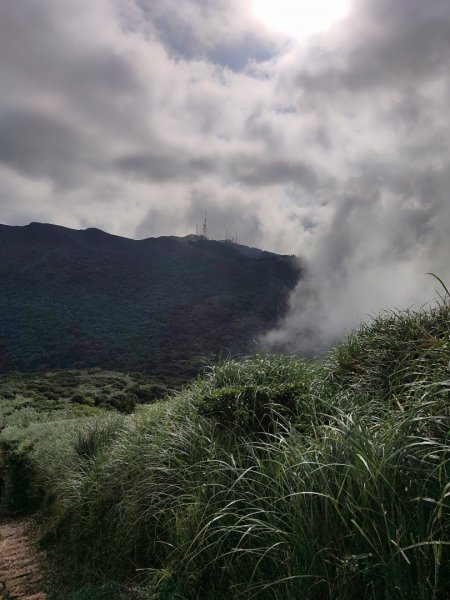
(33,395)
(76,299)
(271,478)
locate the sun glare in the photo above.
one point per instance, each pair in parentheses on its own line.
(300,18)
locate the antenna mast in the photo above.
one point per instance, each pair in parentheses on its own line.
(205,228)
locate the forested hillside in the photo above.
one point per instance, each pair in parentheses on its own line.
(76,299)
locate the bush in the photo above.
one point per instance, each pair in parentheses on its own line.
(251,409)
(16,477)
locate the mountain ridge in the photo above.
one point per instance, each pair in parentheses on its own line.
(86,298)
(37,225)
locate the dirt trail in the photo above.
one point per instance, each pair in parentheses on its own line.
(20,576)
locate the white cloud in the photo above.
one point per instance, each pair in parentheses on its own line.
(137,117)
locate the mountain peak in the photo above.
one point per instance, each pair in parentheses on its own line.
(85,298)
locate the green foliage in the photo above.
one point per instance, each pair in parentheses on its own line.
(16,477)
(252,408)
(30,397)
(96,437)
(269,479)
(259,394)
(83,299)
(90,593)
(395,350)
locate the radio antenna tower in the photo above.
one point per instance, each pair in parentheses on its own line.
(205,228)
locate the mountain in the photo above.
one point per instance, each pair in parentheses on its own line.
(73,299)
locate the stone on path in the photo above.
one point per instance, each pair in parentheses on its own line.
(20,575)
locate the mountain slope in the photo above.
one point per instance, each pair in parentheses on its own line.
(86,298)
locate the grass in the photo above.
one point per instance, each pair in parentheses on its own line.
(271,478)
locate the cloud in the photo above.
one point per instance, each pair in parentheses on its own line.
(138,116)
(38,144)
(382,92)
(220,31)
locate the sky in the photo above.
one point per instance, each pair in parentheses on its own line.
(321,135)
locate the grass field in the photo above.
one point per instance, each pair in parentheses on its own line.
(270,478)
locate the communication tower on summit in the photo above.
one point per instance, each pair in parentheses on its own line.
(231,239)
(205,228)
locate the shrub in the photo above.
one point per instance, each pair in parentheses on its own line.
(251,409)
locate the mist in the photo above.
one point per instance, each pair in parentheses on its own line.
(375,253)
